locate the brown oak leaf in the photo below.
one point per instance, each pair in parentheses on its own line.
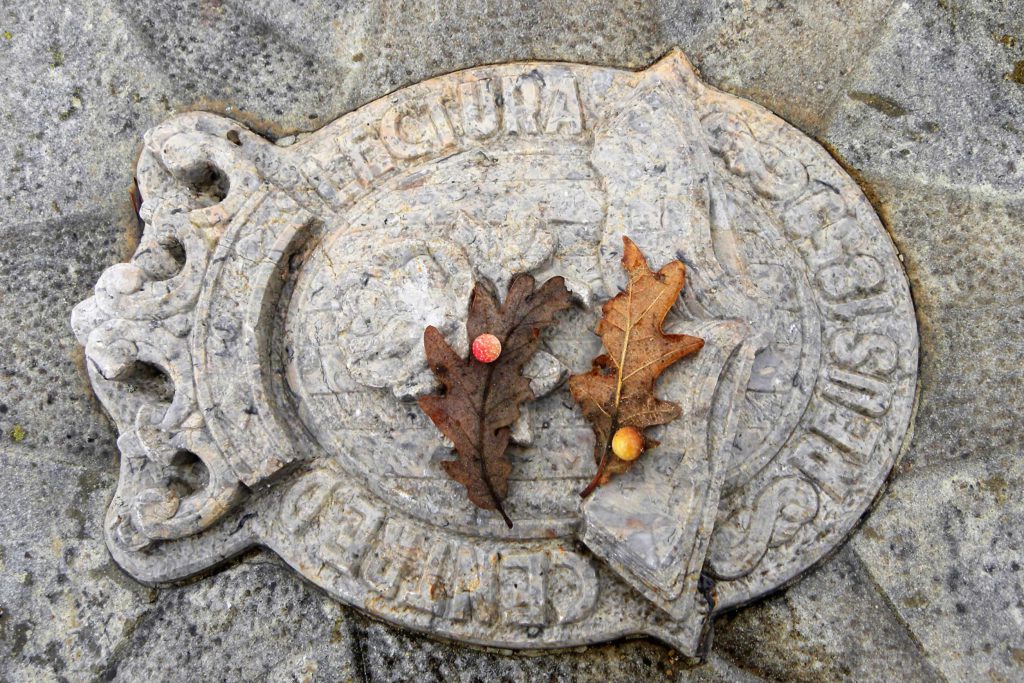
(480,401)
(619,389)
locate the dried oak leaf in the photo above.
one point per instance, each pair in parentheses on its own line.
(480,401)
(619,389)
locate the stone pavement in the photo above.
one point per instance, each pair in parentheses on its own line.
(924,103)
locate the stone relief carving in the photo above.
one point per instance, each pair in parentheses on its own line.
(261,351)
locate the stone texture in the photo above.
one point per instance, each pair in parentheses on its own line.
(945,545)
(44,267)
(227,56)
(833,625)
(796,59)
(70,614)
(462,33)
(391,656)
(66,608)
(935,98)
(255,606)
(84,91)
(961,248)
(77,151)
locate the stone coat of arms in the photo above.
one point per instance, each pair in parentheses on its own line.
(262,351)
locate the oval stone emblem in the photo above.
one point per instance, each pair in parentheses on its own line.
(262,352)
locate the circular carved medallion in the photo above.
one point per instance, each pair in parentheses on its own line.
(284,291)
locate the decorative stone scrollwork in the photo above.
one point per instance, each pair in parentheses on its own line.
(772,172)
(136,329)
(775,516)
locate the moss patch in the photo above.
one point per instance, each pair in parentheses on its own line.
(1006,40)
(1017,75)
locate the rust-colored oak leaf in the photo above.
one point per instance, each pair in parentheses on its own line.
(619,389)
(480,401)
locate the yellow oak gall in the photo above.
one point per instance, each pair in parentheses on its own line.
(628,443)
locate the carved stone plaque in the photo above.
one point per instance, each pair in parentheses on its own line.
(262,351)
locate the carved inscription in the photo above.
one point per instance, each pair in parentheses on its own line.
(413,568)
(351,526)
(529,104)
(826,232)
(843,427)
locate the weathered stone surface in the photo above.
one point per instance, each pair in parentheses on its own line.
(66,609)
(945,545)
(86,164)
(834,625)
(250,607)
(464,33)
(961,248)
(935,98)
(44,268)
(393,656)
(117,68)
(796,59)
(85,90)
(69,614)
